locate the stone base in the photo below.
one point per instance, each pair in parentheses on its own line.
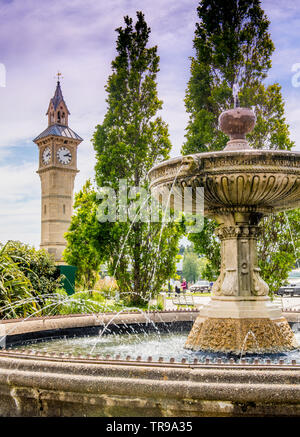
(241,335)
(236,307)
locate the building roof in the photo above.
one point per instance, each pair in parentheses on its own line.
(60,131)
(57,98)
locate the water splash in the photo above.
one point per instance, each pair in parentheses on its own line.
(249,333)
(115,316)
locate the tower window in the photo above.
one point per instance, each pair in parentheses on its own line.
(64,209)
(45,209)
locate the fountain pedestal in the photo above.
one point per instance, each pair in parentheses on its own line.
(240,316)
(240,186)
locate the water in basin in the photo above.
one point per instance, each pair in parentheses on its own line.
(163,345)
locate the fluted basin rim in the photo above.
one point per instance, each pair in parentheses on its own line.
(264,181)
(222,153)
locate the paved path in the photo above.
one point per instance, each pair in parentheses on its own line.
(290,302)
(286,302)
(198,300)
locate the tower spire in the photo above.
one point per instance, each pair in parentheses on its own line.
(57,110)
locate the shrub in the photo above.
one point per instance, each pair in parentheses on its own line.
(38,265)
(27,277)
(17,297)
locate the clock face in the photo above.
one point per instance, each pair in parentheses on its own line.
(46,155)
(64,155)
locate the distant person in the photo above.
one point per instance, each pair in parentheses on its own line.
(177,287)
(184,285)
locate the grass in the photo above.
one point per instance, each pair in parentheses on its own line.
(200,294)
(91,302)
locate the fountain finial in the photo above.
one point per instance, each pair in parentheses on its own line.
(236,123)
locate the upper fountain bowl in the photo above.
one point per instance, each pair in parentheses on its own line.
(237,123)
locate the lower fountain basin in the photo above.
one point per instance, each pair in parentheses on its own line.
(168,343)
(36,383)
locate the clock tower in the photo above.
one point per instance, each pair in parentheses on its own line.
(57,170)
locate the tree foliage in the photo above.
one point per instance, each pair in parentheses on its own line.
(233,45)
(131,139)
(206,242)
(37,265)
(279,247)
(88,243)
(190,265)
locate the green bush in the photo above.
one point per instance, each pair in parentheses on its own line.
(37,265)
(17,298)
(27,277)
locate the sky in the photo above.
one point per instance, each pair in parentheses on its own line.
(77,37)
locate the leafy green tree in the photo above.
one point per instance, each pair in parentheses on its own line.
(131,139)
(206,242)
(233,45)
(139,279)
(190,266)
(271,130)
(87,242)
(279,255)
(203,262)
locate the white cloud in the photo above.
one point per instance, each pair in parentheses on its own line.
(20,204)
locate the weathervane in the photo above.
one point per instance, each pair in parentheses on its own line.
(235,92)
(59,76)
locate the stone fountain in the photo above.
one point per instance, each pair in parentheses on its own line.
(241,186)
